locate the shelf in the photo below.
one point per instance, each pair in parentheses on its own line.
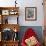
(5,12)
(10,26)
(7,26)
(11,41)
(10,19)
(9,11)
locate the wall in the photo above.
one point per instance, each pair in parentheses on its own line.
(32,3)
(26,3)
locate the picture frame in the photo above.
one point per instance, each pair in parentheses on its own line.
(13,12)
(30,13)
(5,12)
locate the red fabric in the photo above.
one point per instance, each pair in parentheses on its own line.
(29,33)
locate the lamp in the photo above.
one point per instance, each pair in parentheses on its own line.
(15,30)
(15,3)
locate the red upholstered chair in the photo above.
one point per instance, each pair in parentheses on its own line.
(29,34)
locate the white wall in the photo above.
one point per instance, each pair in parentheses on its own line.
(26,3)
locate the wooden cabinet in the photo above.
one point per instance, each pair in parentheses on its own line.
(10,43)
(6,12)
(11,29)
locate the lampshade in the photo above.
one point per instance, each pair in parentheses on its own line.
(15,30)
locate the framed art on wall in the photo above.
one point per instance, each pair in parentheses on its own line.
(30,13)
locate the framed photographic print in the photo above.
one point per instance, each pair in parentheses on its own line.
(30,13)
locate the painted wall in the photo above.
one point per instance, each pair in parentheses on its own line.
(26,3)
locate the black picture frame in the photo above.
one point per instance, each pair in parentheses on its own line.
(30,13)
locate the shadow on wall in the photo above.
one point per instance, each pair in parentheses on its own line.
(37,29)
